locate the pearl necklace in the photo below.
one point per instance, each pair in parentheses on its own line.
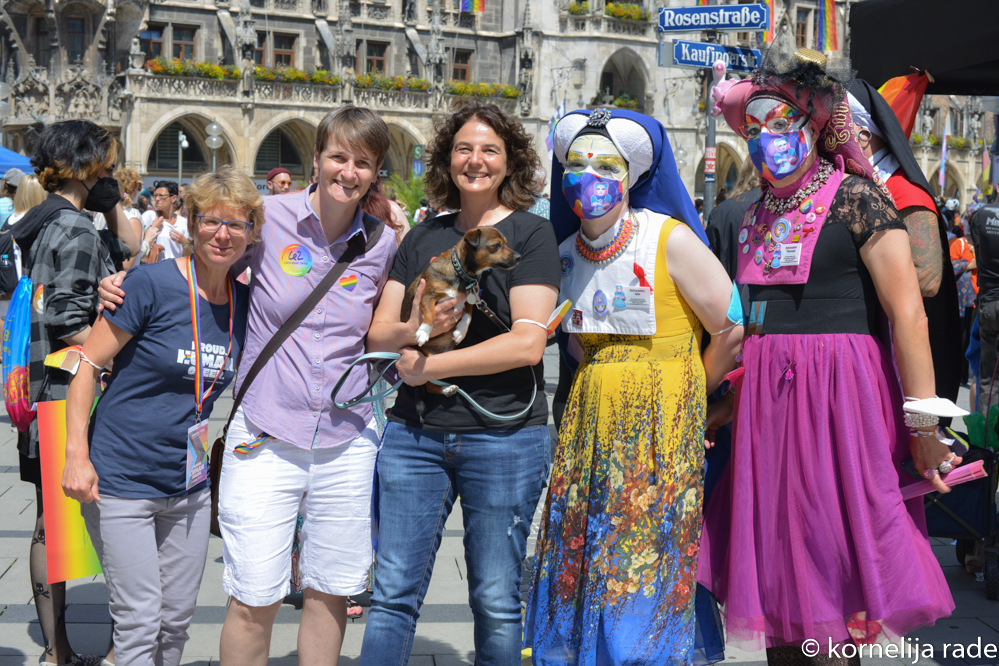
(775,205)
(614,249)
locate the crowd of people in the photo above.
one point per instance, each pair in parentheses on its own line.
(725,385)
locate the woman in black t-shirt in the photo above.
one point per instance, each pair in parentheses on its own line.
(436,448)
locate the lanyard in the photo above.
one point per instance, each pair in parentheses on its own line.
(192,283)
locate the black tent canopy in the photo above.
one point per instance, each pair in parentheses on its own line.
(955,40)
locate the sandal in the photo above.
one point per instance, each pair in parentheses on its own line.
(354,609)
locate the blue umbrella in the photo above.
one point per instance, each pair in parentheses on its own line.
(11,160)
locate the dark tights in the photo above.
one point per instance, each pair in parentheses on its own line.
(789,655)
(50,600)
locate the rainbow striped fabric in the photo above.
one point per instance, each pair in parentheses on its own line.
(69,553)
(473,5)
(904,94)
(767,36)
(827,39)
(246,447)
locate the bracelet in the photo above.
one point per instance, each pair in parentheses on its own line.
(922,434)
(919,420)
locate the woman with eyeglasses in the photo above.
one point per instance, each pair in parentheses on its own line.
(139,465)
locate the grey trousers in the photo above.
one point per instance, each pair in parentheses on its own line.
(988,326)
(153,553)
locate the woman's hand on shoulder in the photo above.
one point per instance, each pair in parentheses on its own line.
(109,290)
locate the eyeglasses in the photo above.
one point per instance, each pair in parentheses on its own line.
(235,227)
(162,196)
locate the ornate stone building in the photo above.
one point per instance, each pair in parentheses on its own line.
(87,59)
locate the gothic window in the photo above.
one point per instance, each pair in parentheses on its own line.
(183,43)
(284,50)
(76,39)
(43,45)
(462,66)
(375,58)
(151,41)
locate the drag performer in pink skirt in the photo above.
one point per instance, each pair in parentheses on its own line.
(806,535)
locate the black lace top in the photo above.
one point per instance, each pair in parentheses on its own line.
(839,296)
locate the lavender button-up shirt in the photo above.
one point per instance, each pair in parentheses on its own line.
(291,397)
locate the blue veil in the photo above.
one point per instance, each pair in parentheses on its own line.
(660,191)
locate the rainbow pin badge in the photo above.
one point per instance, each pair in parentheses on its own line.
(296,260)
(348,282)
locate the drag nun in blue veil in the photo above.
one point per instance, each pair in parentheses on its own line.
(569,618)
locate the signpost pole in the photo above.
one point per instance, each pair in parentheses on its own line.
(709,143)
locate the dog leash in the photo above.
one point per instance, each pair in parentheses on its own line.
(449,389)
(470,286)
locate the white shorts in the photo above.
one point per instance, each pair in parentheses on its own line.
(261,494)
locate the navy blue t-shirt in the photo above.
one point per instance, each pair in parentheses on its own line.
(138,434)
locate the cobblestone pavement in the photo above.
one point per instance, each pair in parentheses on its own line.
(444,633)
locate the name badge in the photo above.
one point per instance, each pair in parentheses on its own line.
(790,254)
(197,454)
(638,297)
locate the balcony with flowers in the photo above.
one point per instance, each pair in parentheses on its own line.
(188,81)
(608,17)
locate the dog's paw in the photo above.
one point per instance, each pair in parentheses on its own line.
(422,335)
(458,335)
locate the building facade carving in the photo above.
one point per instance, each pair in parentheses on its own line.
(551,52)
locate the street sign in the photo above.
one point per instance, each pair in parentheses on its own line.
(700,54)
(417,167)
(727,18)
(418,152)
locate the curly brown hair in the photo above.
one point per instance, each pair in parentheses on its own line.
(517,191)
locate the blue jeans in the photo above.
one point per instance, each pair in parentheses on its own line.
(499,475)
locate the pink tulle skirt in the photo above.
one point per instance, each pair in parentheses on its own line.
(807,527)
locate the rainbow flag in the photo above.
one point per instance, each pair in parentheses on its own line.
(473,5)
(827,39)
(943,161)
(68,550)
(702,3)
(904,94)
(767,36)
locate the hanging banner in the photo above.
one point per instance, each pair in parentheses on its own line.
(69,552)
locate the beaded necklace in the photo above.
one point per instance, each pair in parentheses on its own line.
(613,249)
(775,205)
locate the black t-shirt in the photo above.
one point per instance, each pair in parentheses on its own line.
(505,392)
(723,233)
(837,273)
(985,237)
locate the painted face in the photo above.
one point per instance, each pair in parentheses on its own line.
(779,137)
(596,176)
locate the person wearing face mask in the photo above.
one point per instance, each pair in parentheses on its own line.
(807,535)
(65,257)
(436,447)
(617,551)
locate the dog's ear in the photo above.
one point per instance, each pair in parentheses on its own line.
(473,238)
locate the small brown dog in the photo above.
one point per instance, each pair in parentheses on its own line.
(449,275)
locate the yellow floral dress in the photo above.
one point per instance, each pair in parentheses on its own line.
(617,553)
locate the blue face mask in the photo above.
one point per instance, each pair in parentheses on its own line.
(591,196)
(777,156)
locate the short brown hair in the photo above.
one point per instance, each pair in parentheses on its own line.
(226,187)
(517,190)
(73,149)
(354,127)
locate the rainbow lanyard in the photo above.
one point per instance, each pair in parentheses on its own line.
(192,283)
